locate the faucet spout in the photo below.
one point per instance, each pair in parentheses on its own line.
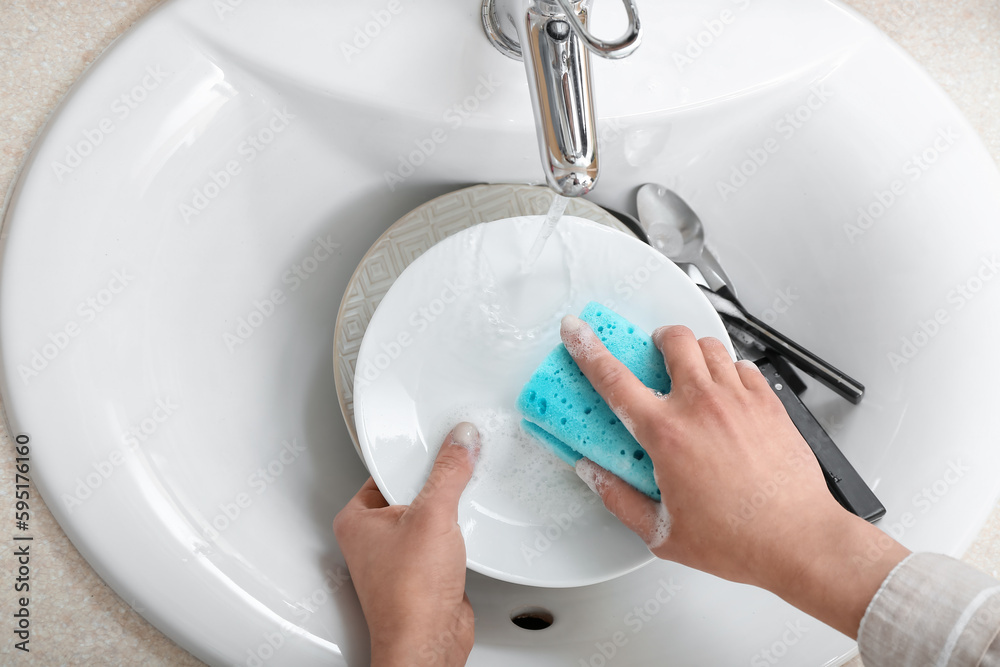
(553,42)
(558,69)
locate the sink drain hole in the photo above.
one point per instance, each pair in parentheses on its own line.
(532,618)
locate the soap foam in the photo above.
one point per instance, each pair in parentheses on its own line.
(583,343)
(590,473)
(657,337)
(593,475)
(661,529)
(466,436)
(626,419)
(531,483)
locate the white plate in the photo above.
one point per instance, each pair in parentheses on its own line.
(407,239)
(221,77)
(456,338)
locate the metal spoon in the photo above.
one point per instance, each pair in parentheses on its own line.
(676,231)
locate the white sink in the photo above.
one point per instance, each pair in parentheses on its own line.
(231,166)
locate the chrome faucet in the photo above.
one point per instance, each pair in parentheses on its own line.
(552,39)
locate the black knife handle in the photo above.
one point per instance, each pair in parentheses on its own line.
(787,371)
(777,342)
(843,480)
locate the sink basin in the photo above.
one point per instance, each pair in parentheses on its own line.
(177,246)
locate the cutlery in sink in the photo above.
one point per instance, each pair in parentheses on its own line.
(668,224)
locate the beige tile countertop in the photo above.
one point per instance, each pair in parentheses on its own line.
(44,48)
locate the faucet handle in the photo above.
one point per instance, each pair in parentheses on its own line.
(555,45)
(621,47)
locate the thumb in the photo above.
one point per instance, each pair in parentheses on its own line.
(451,472)
(644,516)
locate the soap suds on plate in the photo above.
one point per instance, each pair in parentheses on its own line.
(523,482)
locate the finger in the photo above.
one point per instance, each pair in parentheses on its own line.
(622,391)
(451,473)
(750,375)
(719,363)
(682,355)
(367,497)
(645,517)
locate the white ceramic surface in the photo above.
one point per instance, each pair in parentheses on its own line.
(104,190)
(407,238)
(455,339)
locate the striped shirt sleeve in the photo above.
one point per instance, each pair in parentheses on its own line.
(933,611)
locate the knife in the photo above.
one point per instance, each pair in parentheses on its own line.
(732,311)
(754,343)
(844,482)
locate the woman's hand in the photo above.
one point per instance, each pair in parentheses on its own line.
(743,495)
(408,562)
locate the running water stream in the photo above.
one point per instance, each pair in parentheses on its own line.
(556,210)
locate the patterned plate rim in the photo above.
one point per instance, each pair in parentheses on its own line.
(432,221)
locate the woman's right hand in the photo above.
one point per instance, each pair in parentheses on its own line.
(743,496)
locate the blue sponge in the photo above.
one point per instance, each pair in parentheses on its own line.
(567,415)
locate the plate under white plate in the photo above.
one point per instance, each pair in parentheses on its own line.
(103,193)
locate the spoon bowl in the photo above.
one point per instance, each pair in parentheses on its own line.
(676,230)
